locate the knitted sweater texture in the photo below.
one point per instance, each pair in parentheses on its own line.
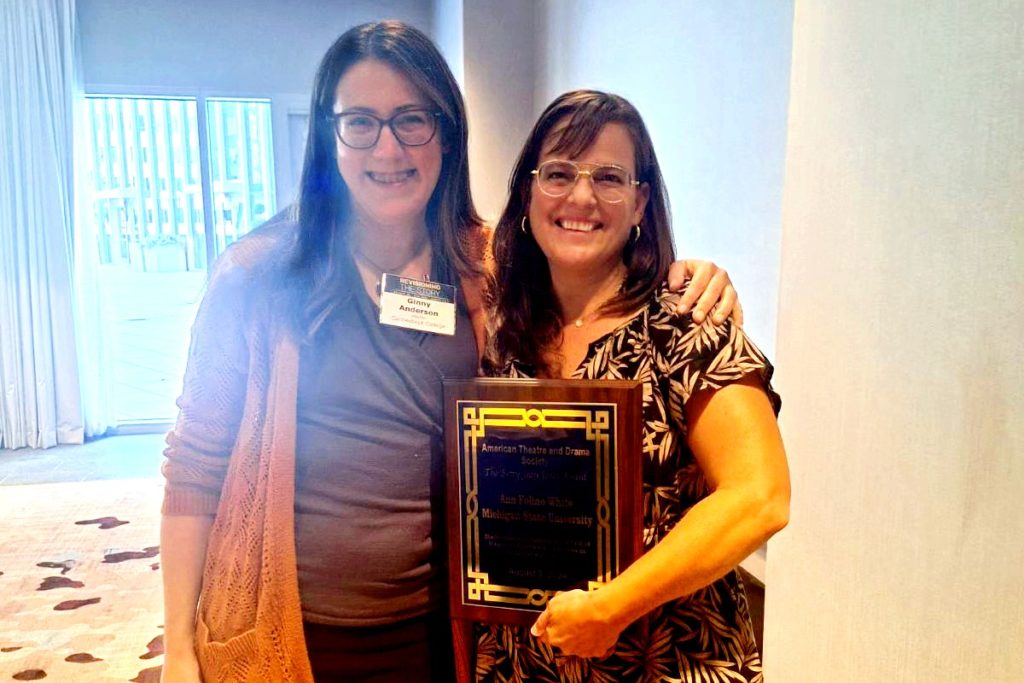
(232,454)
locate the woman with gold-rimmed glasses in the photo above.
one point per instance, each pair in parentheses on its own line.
(581,249)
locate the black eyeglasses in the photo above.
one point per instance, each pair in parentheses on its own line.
(411,127)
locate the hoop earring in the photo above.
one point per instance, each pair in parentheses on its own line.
(636,234)
(522,226)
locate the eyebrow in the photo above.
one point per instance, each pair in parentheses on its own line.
(370,110)
(594,164)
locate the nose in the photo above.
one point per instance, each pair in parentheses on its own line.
(582,192)
(387,144)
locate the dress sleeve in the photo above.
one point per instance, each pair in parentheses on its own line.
(690,358)
(213,395)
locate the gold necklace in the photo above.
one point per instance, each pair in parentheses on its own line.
(588,318)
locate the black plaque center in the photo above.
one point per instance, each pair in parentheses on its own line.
(538,488)
(537,501)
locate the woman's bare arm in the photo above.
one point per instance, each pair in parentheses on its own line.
(735,438)
(183,541)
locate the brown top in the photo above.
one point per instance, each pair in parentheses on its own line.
(370,462)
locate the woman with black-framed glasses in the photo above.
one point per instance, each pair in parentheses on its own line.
(302,505)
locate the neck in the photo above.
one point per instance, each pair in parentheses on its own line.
(581,294)
(389,247)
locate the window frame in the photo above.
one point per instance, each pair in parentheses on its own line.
(281,106)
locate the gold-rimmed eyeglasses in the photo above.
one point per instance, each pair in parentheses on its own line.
(557,177)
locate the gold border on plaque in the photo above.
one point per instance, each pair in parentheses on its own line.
(597,424)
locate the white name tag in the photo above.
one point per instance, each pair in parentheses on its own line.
(417,304)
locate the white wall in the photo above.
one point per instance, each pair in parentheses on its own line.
(229,45)
(711,81)
(499,86)
(900,328)
(448,34)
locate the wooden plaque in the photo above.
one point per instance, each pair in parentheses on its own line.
(543,491)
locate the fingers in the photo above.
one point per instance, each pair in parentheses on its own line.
(702,272)
(596,652)
(678,272)
(717,291)
(726,304)
(540,627)
(737,314)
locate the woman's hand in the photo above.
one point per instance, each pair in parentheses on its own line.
(709,285)
(183,540)
(183,668)
(577,624)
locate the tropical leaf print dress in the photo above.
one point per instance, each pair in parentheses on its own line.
(706,636)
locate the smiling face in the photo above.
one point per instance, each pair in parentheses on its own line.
(578,232)
(389,183)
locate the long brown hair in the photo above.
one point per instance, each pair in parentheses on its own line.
(528,320)
(324,204)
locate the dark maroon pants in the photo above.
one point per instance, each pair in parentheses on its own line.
(414,651)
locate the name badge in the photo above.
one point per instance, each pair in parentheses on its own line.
(417,304)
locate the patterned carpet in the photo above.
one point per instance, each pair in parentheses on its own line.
(80,596)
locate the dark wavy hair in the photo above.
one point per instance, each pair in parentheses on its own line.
(324,206)
(528,320)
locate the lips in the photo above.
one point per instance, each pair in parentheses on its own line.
(578,225)
(390,178)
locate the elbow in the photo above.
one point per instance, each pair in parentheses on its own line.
(772,501)
(776,517)
(775,513)
(772,512)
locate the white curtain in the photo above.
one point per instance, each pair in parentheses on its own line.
(92,320)
(41,397)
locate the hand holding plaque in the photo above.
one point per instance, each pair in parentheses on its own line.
(573,622)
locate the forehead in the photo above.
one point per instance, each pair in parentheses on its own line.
(377,87)
(612,145)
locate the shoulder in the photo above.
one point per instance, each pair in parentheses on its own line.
(252,272)
(662,315)
(479,239)
(676,337)
(478,242)
(703,355)
(260,257)
(479,287)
